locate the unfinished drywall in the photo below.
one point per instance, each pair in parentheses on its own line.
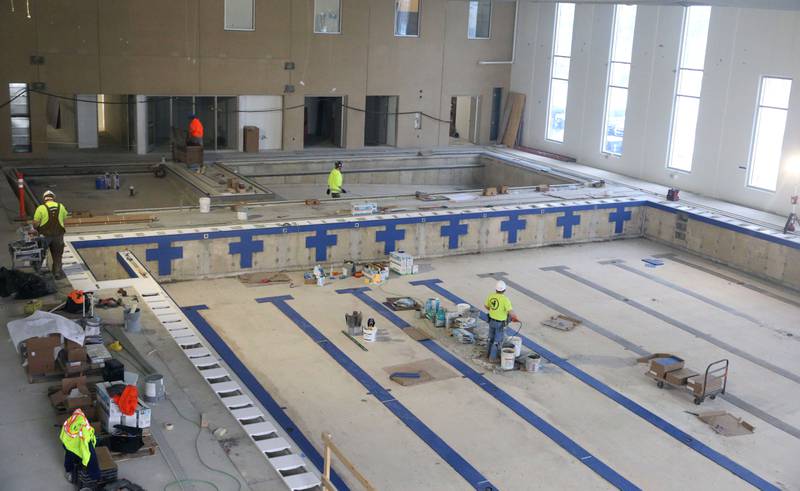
(743,45)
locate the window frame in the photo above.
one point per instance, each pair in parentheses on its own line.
(237,29)
(314,21)
(551,77)
(27,116)
(491,16)
(609,85)
(419,21)
(676,89)
(754,133)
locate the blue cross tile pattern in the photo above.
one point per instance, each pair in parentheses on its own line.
(320,242)
(246,247)
(569,220)
(390,236)
(513,225)
(619,217)
(164,253)
(453,231)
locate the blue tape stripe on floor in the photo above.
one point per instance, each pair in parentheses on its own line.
(266,400)
(456,461)
(672,430)
(503,397)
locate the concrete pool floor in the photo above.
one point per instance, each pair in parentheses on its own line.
(320,394)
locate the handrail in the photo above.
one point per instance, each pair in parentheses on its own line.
(329,447)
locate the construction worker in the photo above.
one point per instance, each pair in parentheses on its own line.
(48,219)
(500,311)
(194,135)
(335,180)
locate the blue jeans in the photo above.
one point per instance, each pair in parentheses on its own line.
(497,334)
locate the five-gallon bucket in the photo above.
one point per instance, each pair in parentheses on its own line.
(507,359)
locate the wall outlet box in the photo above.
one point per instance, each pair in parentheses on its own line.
(37,60)
(289,65)
(289,89)
(38,86)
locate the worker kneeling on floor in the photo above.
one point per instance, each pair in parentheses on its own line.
(48,219)
(500,312)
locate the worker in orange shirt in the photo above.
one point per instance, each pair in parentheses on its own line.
(194,136)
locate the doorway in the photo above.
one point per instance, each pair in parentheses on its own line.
(380,122)
(463,119)
(323,122)
(218,114)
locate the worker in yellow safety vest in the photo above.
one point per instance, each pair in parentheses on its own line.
(48,219)
(77,437)
(335,180)
(500,312)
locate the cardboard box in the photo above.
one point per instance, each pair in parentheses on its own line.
(41,354)
(662,366)
(490,192)
(679,377)
(502,189)
(695,384)
(113,415)
(250,139)
(73,394)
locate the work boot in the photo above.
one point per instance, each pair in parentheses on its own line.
(59,275)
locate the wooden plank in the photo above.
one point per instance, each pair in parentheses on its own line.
(515,119)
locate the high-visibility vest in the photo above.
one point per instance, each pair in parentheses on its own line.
(77,434)
(196,128)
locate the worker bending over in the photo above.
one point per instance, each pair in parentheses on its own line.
(500,311)
(194,136)
(335,180)
(48,219)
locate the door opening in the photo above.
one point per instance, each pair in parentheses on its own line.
(497,99)
(324,122)
(463,119)
(380,123)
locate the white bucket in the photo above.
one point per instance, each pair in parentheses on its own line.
(517,342)
(507,359)
(242,215)
(370,333)
(462,308)
(205,204)
(533,362)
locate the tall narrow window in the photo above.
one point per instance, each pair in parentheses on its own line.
(687,87)
(239,15)
(765,156)
(559,72)
(326,17)
(20,118)
(480,19)
(619,70)
(406,18)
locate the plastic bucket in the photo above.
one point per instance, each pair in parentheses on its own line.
(242,215)
(205,204)
(533,362)
(100,182)
(462,308)
(517,342)
(507,359)
(132,320)
(154,387)
(370,333)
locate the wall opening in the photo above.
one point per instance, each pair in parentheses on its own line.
(463,119)
(380,124)
(323,124)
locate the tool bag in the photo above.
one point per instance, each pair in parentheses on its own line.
(126,439)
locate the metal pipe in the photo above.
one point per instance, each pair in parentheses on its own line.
(513,42)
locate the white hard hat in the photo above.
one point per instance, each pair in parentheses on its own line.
(48,194)
(500,286)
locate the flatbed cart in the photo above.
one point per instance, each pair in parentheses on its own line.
(716,372)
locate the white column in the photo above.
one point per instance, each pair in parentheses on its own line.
(141,124)
(86,116)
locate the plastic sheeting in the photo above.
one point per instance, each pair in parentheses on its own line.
(40,324)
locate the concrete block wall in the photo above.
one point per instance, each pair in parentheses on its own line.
(197,253)
(750,249)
